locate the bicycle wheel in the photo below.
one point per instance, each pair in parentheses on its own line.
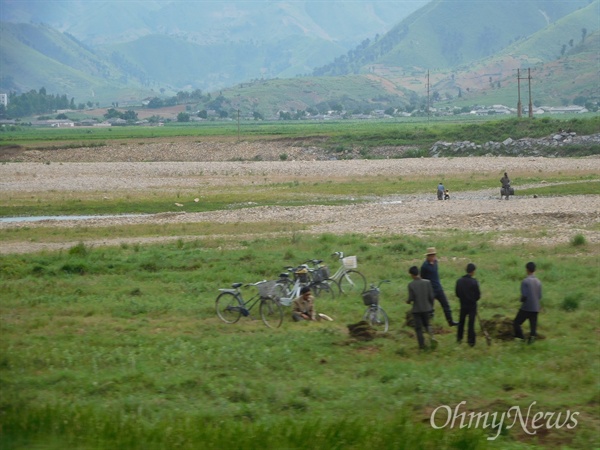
(334,285)
(280,290)
(271,313)
(228,307)
(323,290)
(352,281)
(377,318)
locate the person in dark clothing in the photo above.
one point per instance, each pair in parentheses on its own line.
(429,271)
(420,294)
(467,291)
(531,296)
(505,181)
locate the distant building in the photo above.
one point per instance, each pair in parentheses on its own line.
(4,99)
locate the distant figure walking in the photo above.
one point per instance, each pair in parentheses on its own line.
(440,191)
(446,194)
(505,191)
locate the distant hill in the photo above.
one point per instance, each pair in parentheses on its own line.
(166,46)
(450,33)
(247,54)
(563,56)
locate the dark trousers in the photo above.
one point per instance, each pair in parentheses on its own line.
(441,297)
(522,316)
(469,311)
(421,322)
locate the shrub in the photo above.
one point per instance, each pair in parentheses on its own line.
(78,250)
(578,240)
(571,302)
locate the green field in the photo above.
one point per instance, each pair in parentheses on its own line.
(105,347)
(121,348)
(418,131)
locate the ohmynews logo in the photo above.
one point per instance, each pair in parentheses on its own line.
(497,420)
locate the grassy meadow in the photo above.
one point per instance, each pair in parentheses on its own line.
(120,347)
(105,347)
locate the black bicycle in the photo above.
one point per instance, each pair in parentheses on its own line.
(230,304)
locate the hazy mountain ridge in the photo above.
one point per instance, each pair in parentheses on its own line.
(176,59)
(170,45)
(450,33)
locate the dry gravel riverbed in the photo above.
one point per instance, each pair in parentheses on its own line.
(547,220)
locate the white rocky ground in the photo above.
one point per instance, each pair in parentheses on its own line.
(548,219)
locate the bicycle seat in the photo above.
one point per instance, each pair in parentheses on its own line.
(237,285)
(284,275)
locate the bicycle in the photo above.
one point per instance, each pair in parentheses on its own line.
(230,304)
(375,314)
(347,278)
(320,283)
(286,290)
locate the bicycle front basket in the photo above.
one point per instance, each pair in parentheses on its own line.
(371,297)
(350,262)
(266,289)
(320,274)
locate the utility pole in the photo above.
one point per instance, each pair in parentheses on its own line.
(530,104)
(238,117)
(519,104)
(427,96)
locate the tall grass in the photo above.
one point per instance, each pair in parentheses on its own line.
(120,347)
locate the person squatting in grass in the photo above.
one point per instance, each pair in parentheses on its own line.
(468,292)
(420,294)
(429,271)
(303,307)
(531,296)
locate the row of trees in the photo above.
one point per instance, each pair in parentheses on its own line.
(35,102)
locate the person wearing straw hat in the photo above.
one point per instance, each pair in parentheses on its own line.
(429,271)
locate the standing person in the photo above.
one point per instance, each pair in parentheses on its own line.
(467,291)
(505,181)
(429,271)
(531,296)
(303,307)
(420,294)
(440,191)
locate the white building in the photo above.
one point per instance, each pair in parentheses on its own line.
(4,99)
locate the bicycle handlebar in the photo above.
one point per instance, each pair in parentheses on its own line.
(380,283)
(255,284)
(313,261)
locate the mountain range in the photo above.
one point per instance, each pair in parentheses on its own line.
(273,55)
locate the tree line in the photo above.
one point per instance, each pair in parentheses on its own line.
(35,102)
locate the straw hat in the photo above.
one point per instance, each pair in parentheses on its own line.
(431,251)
